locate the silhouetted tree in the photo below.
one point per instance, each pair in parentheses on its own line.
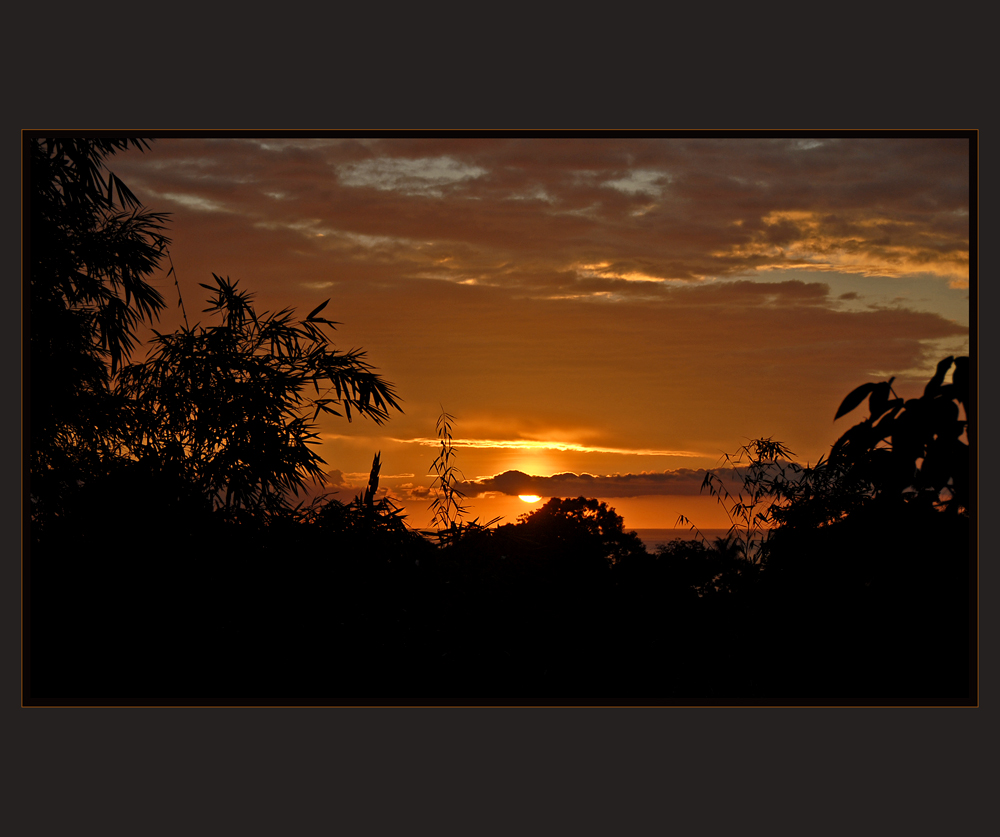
(227,407)
(91,249)
(584,526)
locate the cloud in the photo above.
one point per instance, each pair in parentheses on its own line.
(639,182)
(195,202)
(426,176)
(669,209)
(681,481)
(678,482)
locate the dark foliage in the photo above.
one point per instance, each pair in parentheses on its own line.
(449,505)
(92,249)
(228,408)
(872,560)
(580,530)
(904,452)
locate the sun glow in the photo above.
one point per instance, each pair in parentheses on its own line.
(529,498)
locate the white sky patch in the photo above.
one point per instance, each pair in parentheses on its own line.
(196,202)
(314,228)
(639,182)
(425,176)
(807,144)
(302,144)
(371,242)
(536,194)
(309,228)
(527,444)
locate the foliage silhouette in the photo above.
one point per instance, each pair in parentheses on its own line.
(227,407)
(879,532)
(762,469)
(448,508)
(903,453)
(376,528)
(92,247)
(585,528)
(911,451)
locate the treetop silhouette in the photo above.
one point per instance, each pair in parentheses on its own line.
(228,405)
(91,249)
(225,412)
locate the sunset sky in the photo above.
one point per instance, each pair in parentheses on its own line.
(604,315)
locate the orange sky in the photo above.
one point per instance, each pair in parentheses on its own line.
(619,311)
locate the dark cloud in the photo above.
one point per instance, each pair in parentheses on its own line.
(681,481)
(678,482)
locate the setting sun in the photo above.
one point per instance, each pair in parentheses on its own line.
(529,498)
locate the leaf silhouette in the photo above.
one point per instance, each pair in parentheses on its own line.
(934,384)
(855,397)
(316,310)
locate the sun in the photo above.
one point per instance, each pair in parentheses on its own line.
(529,498)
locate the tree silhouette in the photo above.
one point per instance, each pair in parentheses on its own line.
(91,249)
(581,526)
(227,408)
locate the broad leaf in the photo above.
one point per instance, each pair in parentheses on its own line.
(854,398)
(934,384)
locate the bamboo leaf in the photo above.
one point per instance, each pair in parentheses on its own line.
(316,310)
